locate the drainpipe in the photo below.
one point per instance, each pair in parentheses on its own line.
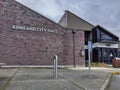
(73,32)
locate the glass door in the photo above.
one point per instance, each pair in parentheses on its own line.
(108,55)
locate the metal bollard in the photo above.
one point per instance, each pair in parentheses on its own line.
(55,67)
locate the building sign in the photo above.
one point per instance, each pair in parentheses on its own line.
(90,46)
(26,28)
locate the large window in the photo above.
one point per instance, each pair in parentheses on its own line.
(101,35)
(105,37)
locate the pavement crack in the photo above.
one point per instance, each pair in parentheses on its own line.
(72,82)
(8,81)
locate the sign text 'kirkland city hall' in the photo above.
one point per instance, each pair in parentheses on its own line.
(16,27)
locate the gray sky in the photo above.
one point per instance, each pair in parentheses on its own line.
(103,12)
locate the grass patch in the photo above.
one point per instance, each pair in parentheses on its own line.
(99,64)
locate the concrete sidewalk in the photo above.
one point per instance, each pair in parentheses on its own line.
(42,79)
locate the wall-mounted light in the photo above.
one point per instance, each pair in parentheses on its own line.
(82,52)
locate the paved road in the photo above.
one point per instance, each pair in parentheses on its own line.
(115,83)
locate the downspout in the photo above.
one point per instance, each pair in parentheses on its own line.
(73,32)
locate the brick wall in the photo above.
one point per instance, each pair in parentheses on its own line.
(69,49)
(26,47)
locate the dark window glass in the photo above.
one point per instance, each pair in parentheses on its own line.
(87,36)
(98,34)
(101,35)
(86,54)
(104,36)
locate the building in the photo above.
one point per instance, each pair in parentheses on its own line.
(29,38)
(104,43)
(119,49)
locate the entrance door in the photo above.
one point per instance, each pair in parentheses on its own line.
(108,55)
(112,54)
(105,56)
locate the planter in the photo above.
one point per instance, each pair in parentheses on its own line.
(116,63)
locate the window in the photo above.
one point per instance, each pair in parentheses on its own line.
(87,36)
(101,35)
(104,36)
(98,34)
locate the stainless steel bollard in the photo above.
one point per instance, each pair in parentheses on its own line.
(55,67)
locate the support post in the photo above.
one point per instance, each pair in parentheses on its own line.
(74,48)
(89,56)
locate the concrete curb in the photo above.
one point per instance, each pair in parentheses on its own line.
(116,73)
(106,83)
(35,66)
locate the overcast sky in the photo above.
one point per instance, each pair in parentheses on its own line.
(103,12)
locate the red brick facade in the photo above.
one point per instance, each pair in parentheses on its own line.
(32,47)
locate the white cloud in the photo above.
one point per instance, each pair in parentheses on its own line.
(47,8)
(103,12)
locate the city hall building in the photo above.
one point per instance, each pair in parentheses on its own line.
(29,38)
